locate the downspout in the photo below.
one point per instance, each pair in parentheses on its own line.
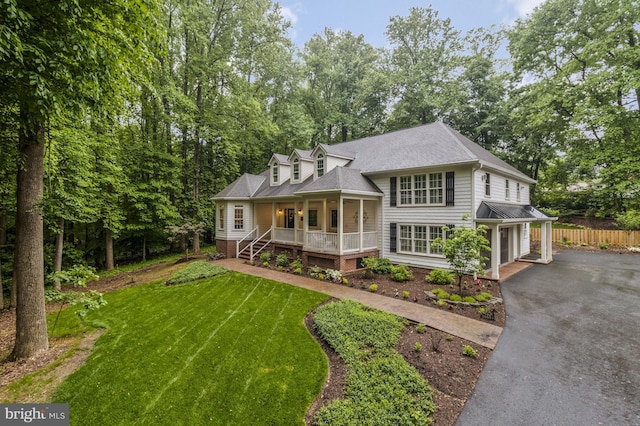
(474,209)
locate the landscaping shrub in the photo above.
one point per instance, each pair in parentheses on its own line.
(383,266)
(455,298)
(382,388)
(440,277)
(418,347)
(469,351)
(483,297)
(195,271)
(265,256)
(401,273)
(441,294)
(297,263)
(421,328)
(373,288)
(315,271)
(297,271)
(405,294)
(469,299)
(603,246)
(333,275)
(282,259)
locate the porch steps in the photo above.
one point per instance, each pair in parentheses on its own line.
(258,245)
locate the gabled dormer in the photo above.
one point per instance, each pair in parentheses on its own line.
(302,165)
(279,169)
(328,157)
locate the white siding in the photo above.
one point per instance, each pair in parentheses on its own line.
(306,169)
(439,215)
(229,233)
(498,189)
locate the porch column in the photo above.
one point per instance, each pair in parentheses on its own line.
(361,224)
(546,241)
(273,220)
(296,222)
(495,252)
(515,242)
(305,222)
(543,241)
(340,222)
(324,215)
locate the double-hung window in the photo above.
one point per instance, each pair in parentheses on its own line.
(418,239)
(221,217)
(487,185)
(517,191)
(421,189)
(296,170)
(238,217)
(274,173)
(320,165)
(507,193)
(435,188)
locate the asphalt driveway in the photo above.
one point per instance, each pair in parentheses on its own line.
(570,351)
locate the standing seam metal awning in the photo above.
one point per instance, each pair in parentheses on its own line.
(504,211)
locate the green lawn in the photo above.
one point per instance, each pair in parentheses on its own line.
(226,350)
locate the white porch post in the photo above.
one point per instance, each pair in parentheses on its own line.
(324,215)
(515,242)
(361,224)
(495,252)
(305,221)
(340,223)
(273,219)
(549,232)
(296,220)
(543,241)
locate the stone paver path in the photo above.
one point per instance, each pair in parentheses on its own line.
(467,328)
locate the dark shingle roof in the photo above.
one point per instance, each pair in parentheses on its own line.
(429,145)
(341,179)
(243,187)
(490,210)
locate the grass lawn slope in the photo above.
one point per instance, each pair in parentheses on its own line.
(231,349)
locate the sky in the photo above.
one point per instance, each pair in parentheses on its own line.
(371,17)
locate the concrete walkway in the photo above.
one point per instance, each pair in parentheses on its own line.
(473,330)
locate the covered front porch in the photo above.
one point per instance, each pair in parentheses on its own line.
(332,224)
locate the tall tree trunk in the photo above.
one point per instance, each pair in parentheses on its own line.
(28,267)
(3,228)
(196,169)
(57,263)
(109,248)
(1,290)
(144,249)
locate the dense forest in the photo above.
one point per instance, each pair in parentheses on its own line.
(120,120)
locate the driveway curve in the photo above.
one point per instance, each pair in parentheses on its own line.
(570,351)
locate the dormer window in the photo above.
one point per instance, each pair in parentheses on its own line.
(274,173)
(320,165)
(296,169)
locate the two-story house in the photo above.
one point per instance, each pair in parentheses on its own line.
(388,195)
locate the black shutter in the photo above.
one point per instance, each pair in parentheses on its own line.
(450,182)
(393,237)
(392,192)
(450,231)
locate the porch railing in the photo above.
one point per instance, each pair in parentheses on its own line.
(322,241)
(328,242)
(284,234)
(250,245)
(351,241)
(247,238)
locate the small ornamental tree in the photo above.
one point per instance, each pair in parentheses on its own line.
(76,277)
(185,233)
(462,248)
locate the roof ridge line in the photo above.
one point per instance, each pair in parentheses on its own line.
(467,150)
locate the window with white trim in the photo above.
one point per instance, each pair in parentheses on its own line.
(418,239)
(274,173)
(435,188)
(487,185)
(238,217)
(320,165)
(507,194)
(421,189)
(518,191)
(221,217)
(296,169)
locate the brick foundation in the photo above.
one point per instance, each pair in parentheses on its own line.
(344,263)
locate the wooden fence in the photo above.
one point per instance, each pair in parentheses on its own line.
(591,236)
